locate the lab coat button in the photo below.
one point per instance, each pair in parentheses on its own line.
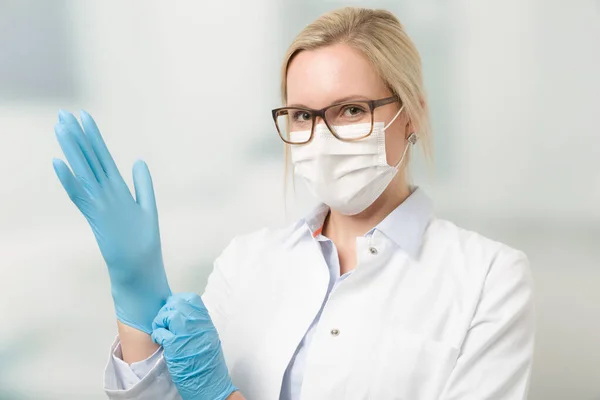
(373,250)
(335,332)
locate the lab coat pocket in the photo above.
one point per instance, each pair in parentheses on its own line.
(409,366)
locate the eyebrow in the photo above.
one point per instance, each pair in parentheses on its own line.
(337,101)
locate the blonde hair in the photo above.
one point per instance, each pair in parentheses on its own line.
(380,36)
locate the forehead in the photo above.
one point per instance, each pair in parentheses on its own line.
(318,78)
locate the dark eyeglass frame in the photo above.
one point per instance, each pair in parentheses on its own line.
(373,104)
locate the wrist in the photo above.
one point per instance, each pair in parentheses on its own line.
(135,344)
(236,396)
(137,305)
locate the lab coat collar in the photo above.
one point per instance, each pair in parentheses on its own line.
(405,225)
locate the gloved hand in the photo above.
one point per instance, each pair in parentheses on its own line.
(192,349)
(125,228)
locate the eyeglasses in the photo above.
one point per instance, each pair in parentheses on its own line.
(296,125)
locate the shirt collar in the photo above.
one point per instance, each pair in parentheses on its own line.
(405,225)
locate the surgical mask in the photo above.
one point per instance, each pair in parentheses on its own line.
(347,176)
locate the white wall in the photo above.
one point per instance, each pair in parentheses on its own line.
(527,103)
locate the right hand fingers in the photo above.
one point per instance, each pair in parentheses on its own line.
(165,318)
(97,142)
(73,188)
(162,336)
(68,121)
(181,317)
(89,157)
(144,190)
(191,298)
(75,158)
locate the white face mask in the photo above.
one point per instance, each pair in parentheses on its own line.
(347,176)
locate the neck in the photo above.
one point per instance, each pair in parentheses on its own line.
(344,229)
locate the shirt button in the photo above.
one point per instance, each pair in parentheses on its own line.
(335,332)
(373,250)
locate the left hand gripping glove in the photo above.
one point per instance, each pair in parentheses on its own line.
(192,349)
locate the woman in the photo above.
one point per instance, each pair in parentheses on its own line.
(368,297)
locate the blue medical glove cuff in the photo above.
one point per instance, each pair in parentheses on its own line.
(138,299)
(138,312)
(228,391)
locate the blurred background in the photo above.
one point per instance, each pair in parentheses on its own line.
(188,86)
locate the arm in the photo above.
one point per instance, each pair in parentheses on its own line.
(496,356)
(126,228)
(127,233)
(189,327)
(140,347)
(135,344)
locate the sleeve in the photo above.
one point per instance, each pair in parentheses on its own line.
(147,379)
(496,357)
(150,378)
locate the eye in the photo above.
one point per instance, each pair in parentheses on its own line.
(301,116)
(353,111)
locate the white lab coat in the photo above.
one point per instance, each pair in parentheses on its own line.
(453,322)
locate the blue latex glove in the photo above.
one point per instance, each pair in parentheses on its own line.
(192,349)
(126,229)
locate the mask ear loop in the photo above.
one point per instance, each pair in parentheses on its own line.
(412,140)
(393,119)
